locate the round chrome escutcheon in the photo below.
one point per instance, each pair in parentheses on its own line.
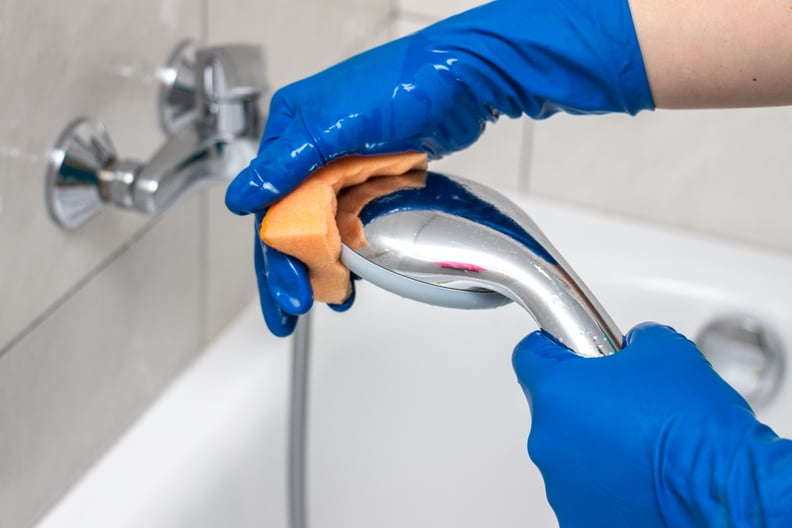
(747,354)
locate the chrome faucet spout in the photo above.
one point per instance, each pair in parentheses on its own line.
(188,163)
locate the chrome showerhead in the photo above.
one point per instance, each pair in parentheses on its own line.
(457,243)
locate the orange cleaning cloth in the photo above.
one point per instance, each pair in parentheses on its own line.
(303,224)
(352,200)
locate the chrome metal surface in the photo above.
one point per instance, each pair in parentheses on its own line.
(177,88)
(458,235)
(189,161)
(418,290)
(82,153)
(211,105)
(298,424)
(747,354)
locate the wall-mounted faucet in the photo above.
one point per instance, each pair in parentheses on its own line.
(210,106)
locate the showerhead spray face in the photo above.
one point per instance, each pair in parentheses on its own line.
(456,243)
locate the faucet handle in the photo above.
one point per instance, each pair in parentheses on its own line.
(230,73)
(177,88)
(194,80)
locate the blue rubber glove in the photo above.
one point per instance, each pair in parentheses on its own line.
(276,273)
(435,91)
(649,437)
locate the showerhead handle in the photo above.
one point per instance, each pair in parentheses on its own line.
(454,242)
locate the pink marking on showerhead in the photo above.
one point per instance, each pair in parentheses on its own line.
(460,266)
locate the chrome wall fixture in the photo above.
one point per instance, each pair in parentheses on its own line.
(747,353)
(210,106)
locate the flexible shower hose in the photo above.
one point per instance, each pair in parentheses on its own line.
(298,422)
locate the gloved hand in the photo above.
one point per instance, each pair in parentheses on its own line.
(283,285)
(649,437)
(434,91)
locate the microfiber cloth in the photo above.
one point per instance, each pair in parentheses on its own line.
(304,225)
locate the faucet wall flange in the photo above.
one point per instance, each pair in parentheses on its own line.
(73,188)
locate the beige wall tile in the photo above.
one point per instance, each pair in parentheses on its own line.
(93,322)
(493,160)
(299,37)
(437,8)
(230,280)
(724,172)
(63,60)
(74,383)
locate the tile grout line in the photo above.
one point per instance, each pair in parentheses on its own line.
(525,165)
(203,249)
(77,287)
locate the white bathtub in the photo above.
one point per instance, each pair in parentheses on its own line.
(416,418)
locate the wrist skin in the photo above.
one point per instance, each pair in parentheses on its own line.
(716,53)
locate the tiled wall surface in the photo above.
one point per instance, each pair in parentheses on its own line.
(54,73)
(70,386)
(434,9)
(723,172)
(95,322)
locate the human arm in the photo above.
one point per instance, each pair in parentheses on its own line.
(650,437)
(716,53)
(435,91)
